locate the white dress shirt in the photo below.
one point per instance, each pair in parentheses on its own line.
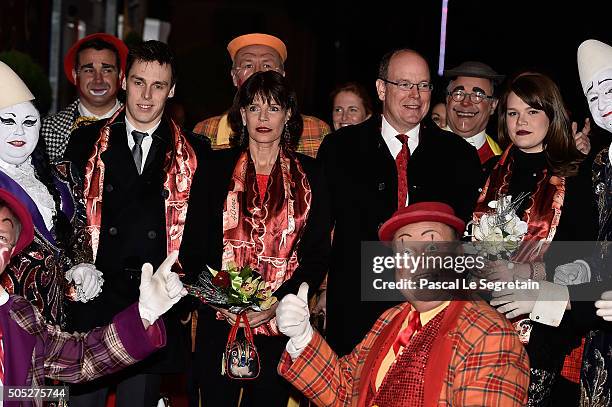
(394,145)
(146,142)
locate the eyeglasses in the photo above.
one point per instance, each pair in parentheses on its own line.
(406,85)
(249,69)
(476,97)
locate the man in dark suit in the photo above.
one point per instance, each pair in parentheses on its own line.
(362,166)
(138,167)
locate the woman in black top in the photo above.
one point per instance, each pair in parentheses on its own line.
(542,165)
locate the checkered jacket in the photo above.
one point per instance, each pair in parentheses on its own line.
(312,135)
(56,130)
(488,364)
(78,357)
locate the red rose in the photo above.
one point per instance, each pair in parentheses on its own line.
(222,279)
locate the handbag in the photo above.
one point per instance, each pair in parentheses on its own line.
(240,359)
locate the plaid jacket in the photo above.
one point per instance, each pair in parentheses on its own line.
(56,130)
(477,360)
(312,135)
(71,358)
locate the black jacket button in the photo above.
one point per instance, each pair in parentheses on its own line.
(109,188)
(112,231)
(151,234)
(165,193)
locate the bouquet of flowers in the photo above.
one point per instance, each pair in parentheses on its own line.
(499,232)
(236,289)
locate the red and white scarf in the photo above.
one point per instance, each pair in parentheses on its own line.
(265,234)
(180,165)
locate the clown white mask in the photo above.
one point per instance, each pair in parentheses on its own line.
(19,131)
(599,95)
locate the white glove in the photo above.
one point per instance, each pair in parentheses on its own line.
(604,306)
(87,279)
(293,319)
(577,272)
(546,305)
(159,291)
(513,303)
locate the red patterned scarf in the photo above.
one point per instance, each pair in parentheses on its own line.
(180,165)
(542,217)
(542,213)
(265,234)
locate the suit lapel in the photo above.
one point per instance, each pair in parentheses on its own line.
(159,145)
(118,157)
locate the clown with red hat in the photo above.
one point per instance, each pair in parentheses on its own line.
(95,65)
(419,353)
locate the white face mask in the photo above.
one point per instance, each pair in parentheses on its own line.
(599,96)
(19,131)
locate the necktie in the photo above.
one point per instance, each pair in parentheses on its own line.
(401,163)
(404,336)
(1,358)
(137,149)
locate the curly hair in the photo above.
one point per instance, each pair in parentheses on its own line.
(270,86)
(540,92)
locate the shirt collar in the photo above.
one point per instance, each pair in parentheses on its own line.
(26,166)
(431,314)
(129,127)
(84,112)
(389,133)
(477,140)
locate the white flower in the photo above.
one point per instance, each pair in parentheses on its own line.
(500,231)
(515,227)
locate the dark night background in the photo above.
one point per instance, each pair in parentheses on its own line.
(333,42)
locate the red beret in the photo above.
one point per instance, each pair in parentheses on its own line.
(420,212)
(119,45)
(21,212)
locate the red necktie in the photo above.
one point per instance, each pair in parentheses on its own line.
(1,358)
(404,336)
(401,163)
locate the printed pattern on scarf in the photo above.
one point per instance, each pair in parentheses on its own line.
(180,165)
(542,216)
(265,234)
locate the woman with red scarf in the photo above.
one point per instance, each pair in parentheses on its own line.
(259,204)
(542,165)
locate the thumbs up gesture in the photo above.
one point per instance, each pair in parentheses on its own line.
(159,291)
(293,319)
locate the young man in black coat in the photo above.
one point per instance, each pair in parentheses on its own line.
(361,166)
(137,167)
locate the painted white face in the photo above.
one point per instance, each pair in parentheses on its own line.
(599,96)
(19,130)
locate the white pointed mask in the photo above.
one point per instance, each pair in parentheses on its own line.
(599,97)
(19,132)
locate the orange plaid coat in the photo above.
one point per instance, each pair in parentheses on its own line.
(312,135)
(476,360)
